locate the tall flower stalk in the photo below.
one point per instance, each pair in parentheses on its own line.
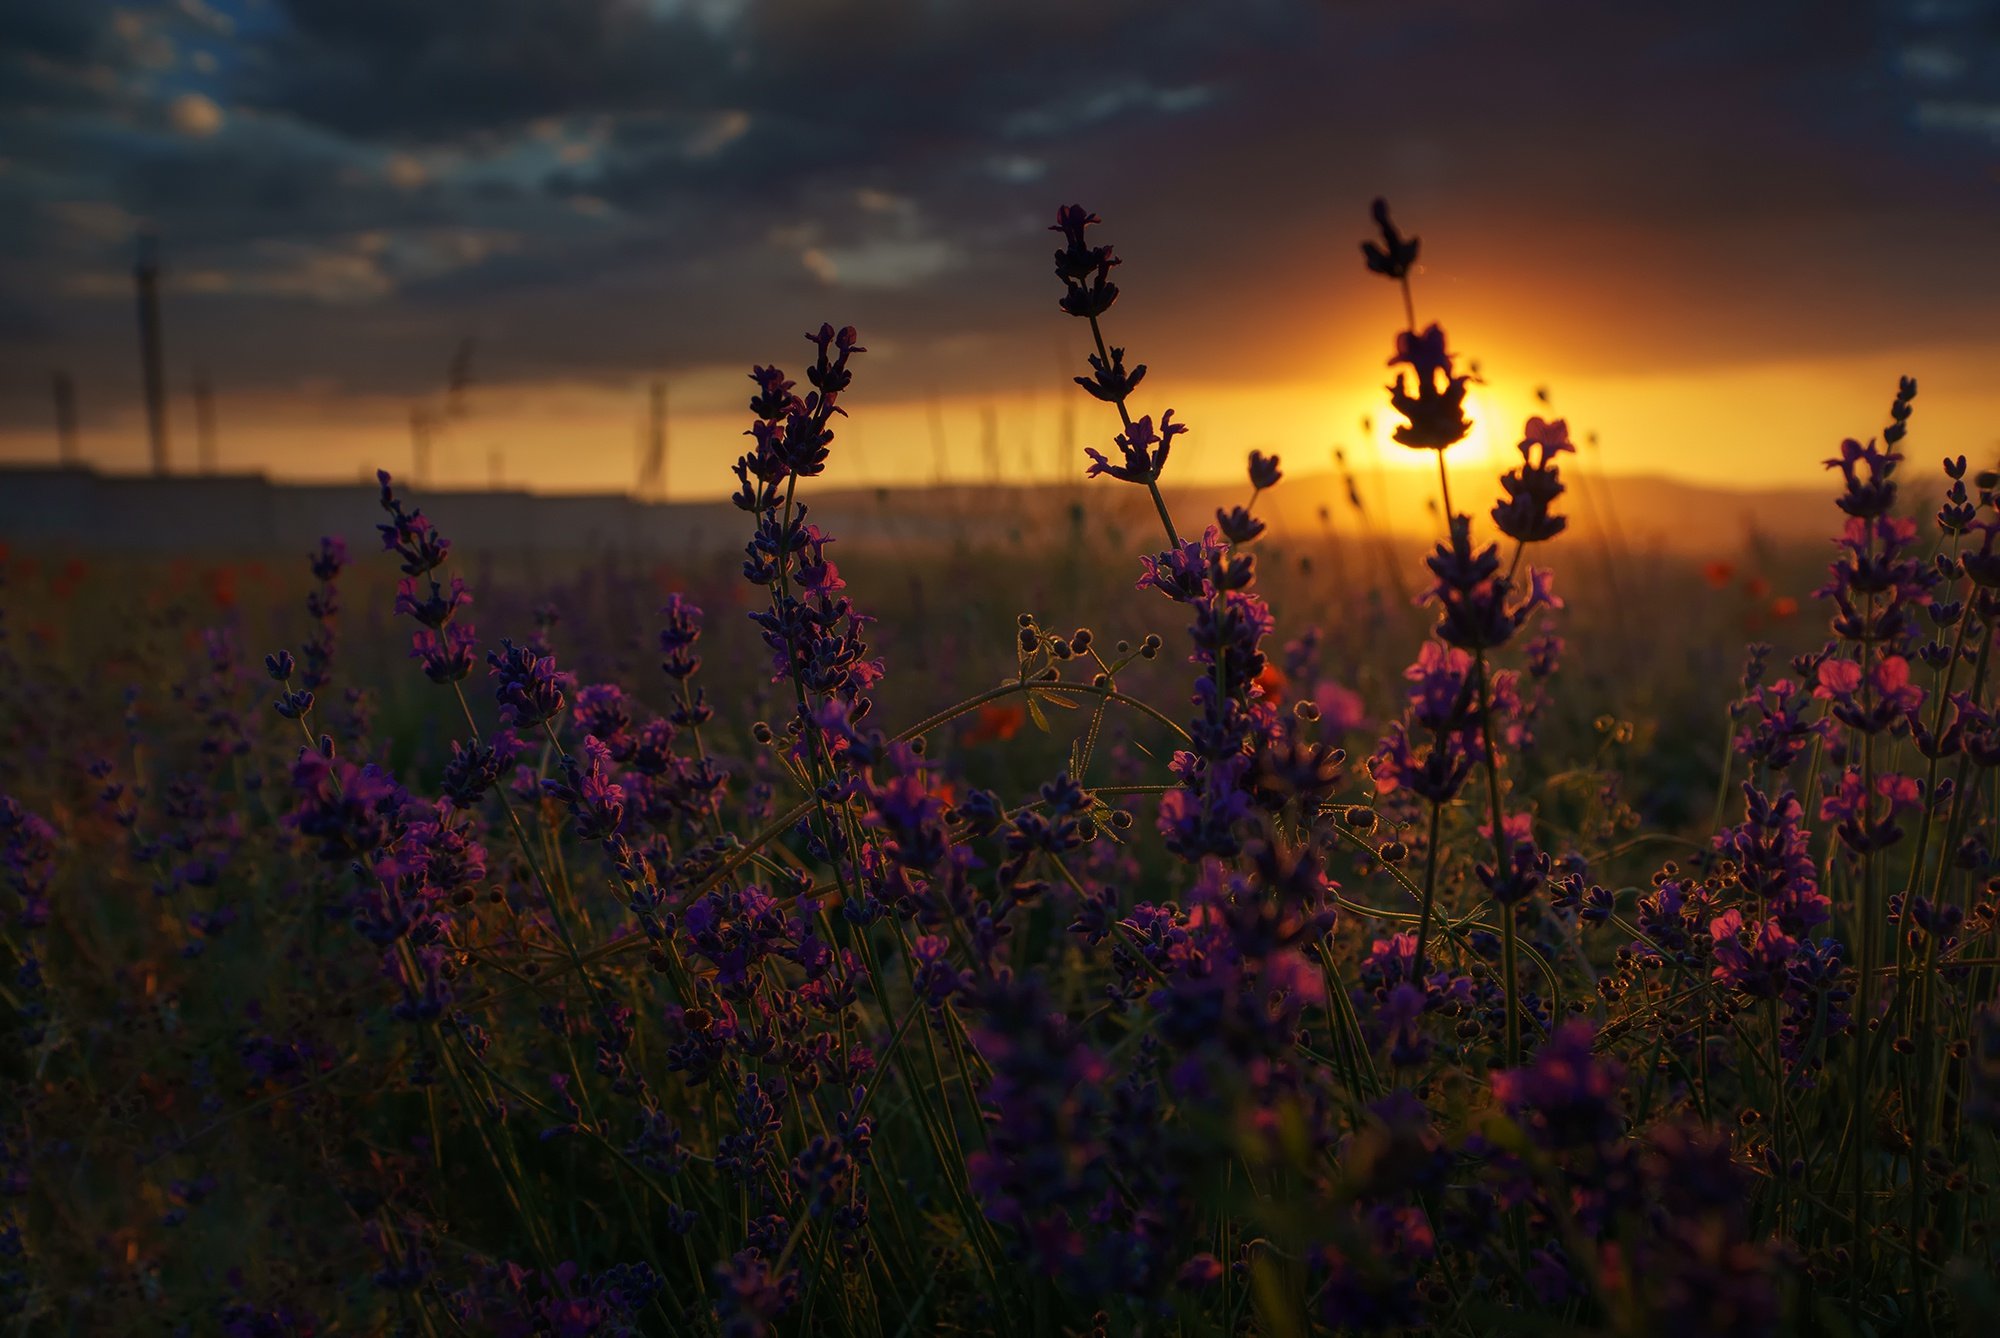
(1477,611)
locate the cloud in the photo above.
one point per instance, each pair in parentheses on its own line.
(405,171)
(94,220)
(381,69)
(599,186)
(1977,118)
(882,263)
(880,201)
(819,264)
(722,130)
(209,17)
(358,268)
(1016,168)
(195,114)
(62,31)
(1082,109)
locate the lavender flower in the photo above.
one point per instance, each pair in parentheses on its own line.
(1144,450)
(1523,515)
(1395,255)
(528,686)
(1436,410)
(1567,1097)
(1085,270)
(409,534)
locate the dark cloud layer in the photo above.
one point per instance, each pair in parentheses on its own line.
(344,188)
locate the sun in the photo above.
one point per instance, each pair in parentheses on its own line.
(1487,448)
(1482,445)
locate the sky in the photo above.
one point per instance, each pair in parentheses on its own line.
(1714,233)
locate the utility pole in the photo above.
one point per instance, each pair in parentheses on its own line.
(935,413)
(1066,420)
(420,444)
(204,422)
(65,394)
(659,441)
(653,468)
(458,379)
(989,441)
(1032,428)
(146,277)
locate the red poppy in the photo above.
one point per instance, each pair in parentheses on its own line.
(1273,682)
(221,585)
(996,720)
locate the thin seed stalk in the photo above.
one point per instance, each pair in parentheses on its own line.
(1430,890)
(1509,934)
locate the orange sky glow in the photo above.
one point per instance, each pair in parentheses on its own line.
(1760,425)
(1717,238)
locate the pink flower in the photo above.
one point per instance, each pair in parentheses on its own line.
(1759,969)
(1838,678)
(1901,791)
(1341,709)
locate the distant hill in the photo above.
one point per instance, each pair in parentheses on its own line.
(66,508)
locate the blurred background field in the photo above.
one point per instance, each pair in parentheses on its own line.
(1658,611)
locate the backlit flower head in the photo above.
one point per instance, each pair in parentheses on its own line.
(1436,408)
(1394,255)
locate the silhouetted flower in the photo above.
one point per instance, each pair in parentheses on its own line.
(1264,472)
(1110,381)
(1533,488)
(1476,610)
(1238,526)
(1394,256)
(1436,411)
(1144,450)
(1085,270)
(409,534)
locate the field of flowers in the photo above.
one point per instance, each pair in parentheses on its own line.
(1205,939)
